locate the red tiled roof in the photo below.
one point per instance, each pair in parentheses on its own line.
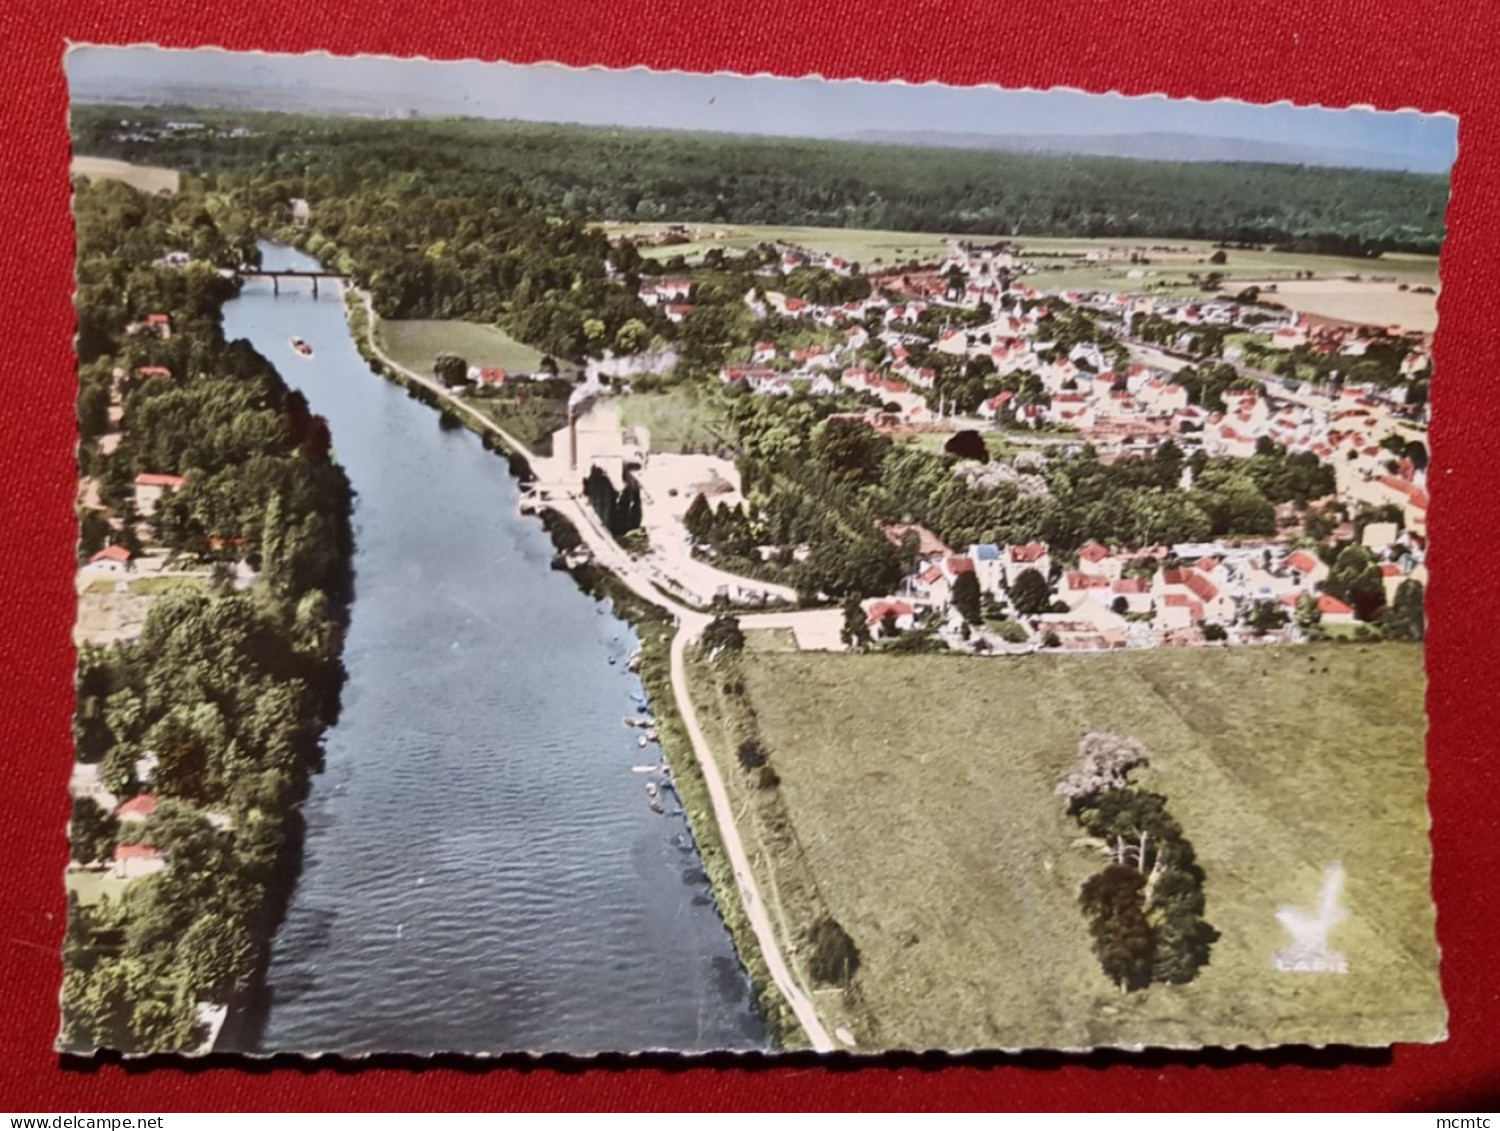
(1202,586)
(156,479)
(153,371)
(957,565)
(141,805)
(1030,552)
(1301,561)
(1093,552)
(879,610)
(1078,580)
(1328,604)
(928,543)
(111,554)
(1132,585)
(137,852)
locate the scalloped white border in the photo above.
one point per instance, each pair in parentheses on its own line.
(553,64)
(751,1058)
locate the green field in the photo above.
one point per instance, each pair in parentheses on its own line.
(919,792)
(91,887)
(865,246)
(150,179)
(1171,270)
(684,419)
(417,342)
(533,423)
(858,245)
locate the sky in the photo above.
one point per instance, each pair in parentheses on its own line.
(731,103)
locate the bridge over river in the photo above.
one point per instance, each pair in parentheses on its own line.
(277,275)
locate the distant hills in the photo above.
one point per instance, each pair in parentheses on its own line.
(301,98)
(1152,147)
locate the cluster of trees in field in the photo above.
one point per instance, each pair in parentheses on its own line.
(1145,907)
(221,701)
(656,175)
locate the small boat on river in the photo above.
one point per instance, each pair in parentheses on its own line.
(653,797)
(302,347)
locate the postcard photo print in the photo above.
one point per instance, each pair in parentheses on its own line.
(583,560)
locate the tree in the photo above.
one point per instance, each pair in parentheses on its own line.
(856,629)
(450,369)
(850,448)
(92,831)
(968,444)
(1309,618)
(215,953)
(632,337)
(1104,763)
(698,520)
(1355,579)
(751,753)
(1266,616)
(1406,619)
(723,633)
(966,597)
(1214,633)
(1124,940)
(1031,594)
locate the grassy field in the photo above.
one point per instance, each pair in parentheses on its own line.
(414,344)
(957,870)
(143,178)
(91,887)
(533,423)
(859,245)
(1168,270)
(680,420)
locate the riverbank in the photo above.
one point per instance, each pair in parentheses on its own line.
(657,619)
(199,814)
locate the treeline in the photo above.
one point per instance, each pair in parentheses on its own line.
(217,709)
(1145,907)
(656,175)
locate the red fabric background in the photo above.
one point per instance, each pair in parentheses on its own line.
(1388,53)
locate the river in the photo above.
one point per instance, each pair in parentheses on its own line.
(482,872)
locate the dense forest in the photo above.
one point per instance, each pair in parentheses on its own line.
(217,709)
(654,175)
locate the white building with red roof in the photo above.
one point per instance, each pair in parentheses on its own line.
(1100,561)
(902,614)
(138,808)
(150,487)
(112,559)
(1031,555)
(132,861)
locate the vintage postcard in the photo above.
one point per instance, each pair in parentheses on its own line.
(583,560)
